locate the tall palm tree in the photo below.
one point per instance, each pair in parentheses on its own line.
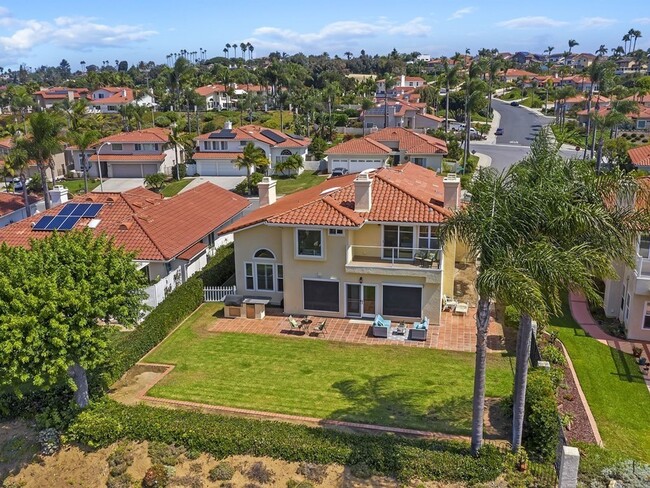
(234,49)
(549,50)
(597,72)
(244,47)
(225,52)
(44,142)
(475,89)
(251,158)
(251,48)
(17,163)
(347,54)
(451,80)
(602,50)
(634,35)
(83,140)
(572,43)
(228,46)
(626,38)
(494,66)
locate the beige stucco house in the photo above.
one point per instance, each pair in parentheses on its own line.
(354,246)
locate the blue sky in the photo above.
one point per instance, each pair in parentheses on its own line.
(37,32)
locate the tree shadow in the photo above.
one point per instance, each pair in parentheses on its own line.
(624,372)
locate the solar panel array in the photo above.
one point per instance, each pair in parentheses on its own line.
(273,136)
(223,134)
(68,217)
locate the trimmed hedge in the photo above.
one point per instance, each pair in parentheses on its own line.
(108,421)
(540,436)
(172,311)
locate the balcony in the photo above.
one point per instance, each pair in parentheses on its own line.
(642,272)
(395,261)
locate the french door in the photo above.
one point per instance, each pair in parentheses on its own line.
(361,300)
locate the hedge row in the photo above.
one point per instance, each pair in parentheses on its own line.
(107,422)
(172,311)
(540,436)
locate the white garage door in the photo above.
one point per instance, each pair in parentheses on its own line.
(221,168)
(149,169)
(356,165)
(127,170)
(340,163)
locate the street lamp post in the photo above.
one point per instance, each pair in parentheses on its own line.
(99,166)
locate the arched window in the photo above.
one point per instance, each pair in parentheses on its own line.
(285,152)
(264,253)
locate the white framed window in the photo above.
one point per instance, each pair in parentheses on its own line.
(428,237)
(250,279)
(223,145)
(112,108)
(336,232)
(211,239)
(116,147)
(420,161)
(264,276)
(644,246)
(309,243)
(646,316)
(279,273)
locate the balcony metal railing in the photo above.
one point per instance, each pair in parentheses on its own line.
(642,266)
(402,257)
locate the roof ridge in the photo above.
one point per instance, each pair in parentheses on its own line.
(349,214)
(428,204)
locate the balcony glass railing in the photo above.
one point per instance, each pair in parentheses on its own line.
(403,257)
(642,266)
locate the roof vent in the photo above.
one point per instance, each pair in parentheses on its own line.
(151,201)
(94,223)
(89,199)
(110,200)
(126,225)
(330,190)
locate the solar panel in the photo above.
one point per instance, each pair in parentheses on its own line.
(55,222)
(296,136)
(223,134)
(67,209)
(41,224)
(80,209)
(69,223)
(92,210)
(273,136)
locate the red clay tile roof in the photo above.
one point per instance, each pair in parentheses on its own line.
(407,193)
(192,251)
(158,158)
(640,156)
(519,73)
(410,141)
(120,95)
(362,145)
(152,135)
(432,117)
(61,93)
(10,202)
(6,143)
(145,223)
(204,91)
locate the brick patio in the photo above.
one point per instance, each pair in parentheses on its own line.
(456,332)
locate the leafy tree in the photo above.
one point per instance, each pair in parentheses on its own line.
(318,147)
(51,299)
(17,163)
(83,140)
(251,158)
(290,165)
(155,181)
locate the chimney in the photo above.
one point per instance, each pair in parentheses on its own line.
(70,96)
(452,191)
(123,93)
(266,188)
(227,125)
(59,195)
(402,80)
(362,193)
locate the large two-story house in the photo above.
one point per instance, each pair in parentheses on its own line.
(171,238)
(628,298)
(133,154)
(217,150)
(109,99)
(353,246)
(46,98)
(392,145)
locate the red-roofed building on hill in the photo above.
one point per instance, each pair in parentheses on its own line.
(109,99)
(375,150)
(217,150)
(133,154)
(222,97)
(172,238)
(48,97)
(640,157)
(354,246)
(12,207)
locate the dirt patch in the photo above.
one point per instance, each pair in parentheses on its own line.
(464,278)
(569,403)
(496,421)
(135,382)
(18,446)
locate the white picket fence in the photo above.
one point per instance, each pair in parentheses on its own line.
(217,293)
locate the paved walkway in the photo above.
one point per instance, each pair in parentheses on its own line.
(456,332)
(581,314)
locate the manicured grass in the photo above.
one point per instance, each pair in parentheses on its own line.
(387,385)
(77,186)
(291,184)
(614,388)
(173,187)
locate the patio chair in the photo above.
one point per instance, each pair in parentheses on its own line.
(295,325)
(320,328)
(380,326)
(420,330)
(461,308)
(427,262)
(448,304)
(418,259)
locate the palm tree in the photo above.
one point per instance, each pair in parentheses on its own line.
(45,141)
(251,48)
(234,49)
(494,66)
(549,50)
(636,34)
(602,50)
(83,140)
(572,43)
(626,38)
(228,46)
(17,163)
(348,55)
(474,95)
(243,46)
(252,157)
(451,79)
(225,52)
(597,72)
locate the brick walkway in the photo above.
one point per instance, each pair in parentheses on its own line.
(456,332)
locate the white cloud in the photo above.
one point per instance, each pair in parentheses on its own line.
(642,20)
(81,33)
(531,22)
(462,12)
(596,22)
(335,35)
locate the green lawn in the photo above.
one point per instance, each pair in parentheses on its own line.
(77,186)
(614,389)
(291,184)
(388,385)
(173,187)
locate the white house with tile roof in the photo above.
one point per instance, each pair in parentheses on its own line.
(353,246)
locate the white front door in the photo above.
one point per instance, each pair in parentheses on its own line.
(360,300)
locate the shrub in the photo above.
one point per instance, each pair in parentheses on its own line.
(313,472)
(223,436)
(255,178)
(122,481)
(162,121)
(223,471)
(511,317)
(166,454)
(361,470)
(155,477)
(629,474)
(181,169)
(553,355)
(299,484)
(220,267)
(541,416)
(260,473)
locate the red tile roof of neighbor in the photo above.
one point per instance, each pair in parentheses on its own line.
(362,145)
(640,156)
(152,135)
(6,143)
(254,132)
(10,202)
(407,193)
(61,92)
(376,143)
(145,223)
(120,95)
(519,73)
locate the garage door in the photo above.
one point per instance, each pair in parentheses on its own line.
(206,169)
(127,170)
(149,169)
(340,163)
(221,168)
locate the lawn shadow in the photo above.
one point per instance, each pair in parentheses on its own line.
(623,370)
(376,401)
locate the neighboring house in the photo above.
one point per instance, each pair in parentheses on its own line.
(517,74)
(581,61)
(629,65)
(58,160)
(628,298)
(400,112)
(640,157)
(640,120)
(133,154)
(378,148)
(580,100)
(12,207)
(47,97)
(217,150)
(349,247)
(221,97)
(172,238)
(402,81)
(525,58)
(641,100)
(108,99)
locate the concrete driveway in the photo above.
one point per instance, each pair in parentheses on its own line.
(119,185)
(227,182)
